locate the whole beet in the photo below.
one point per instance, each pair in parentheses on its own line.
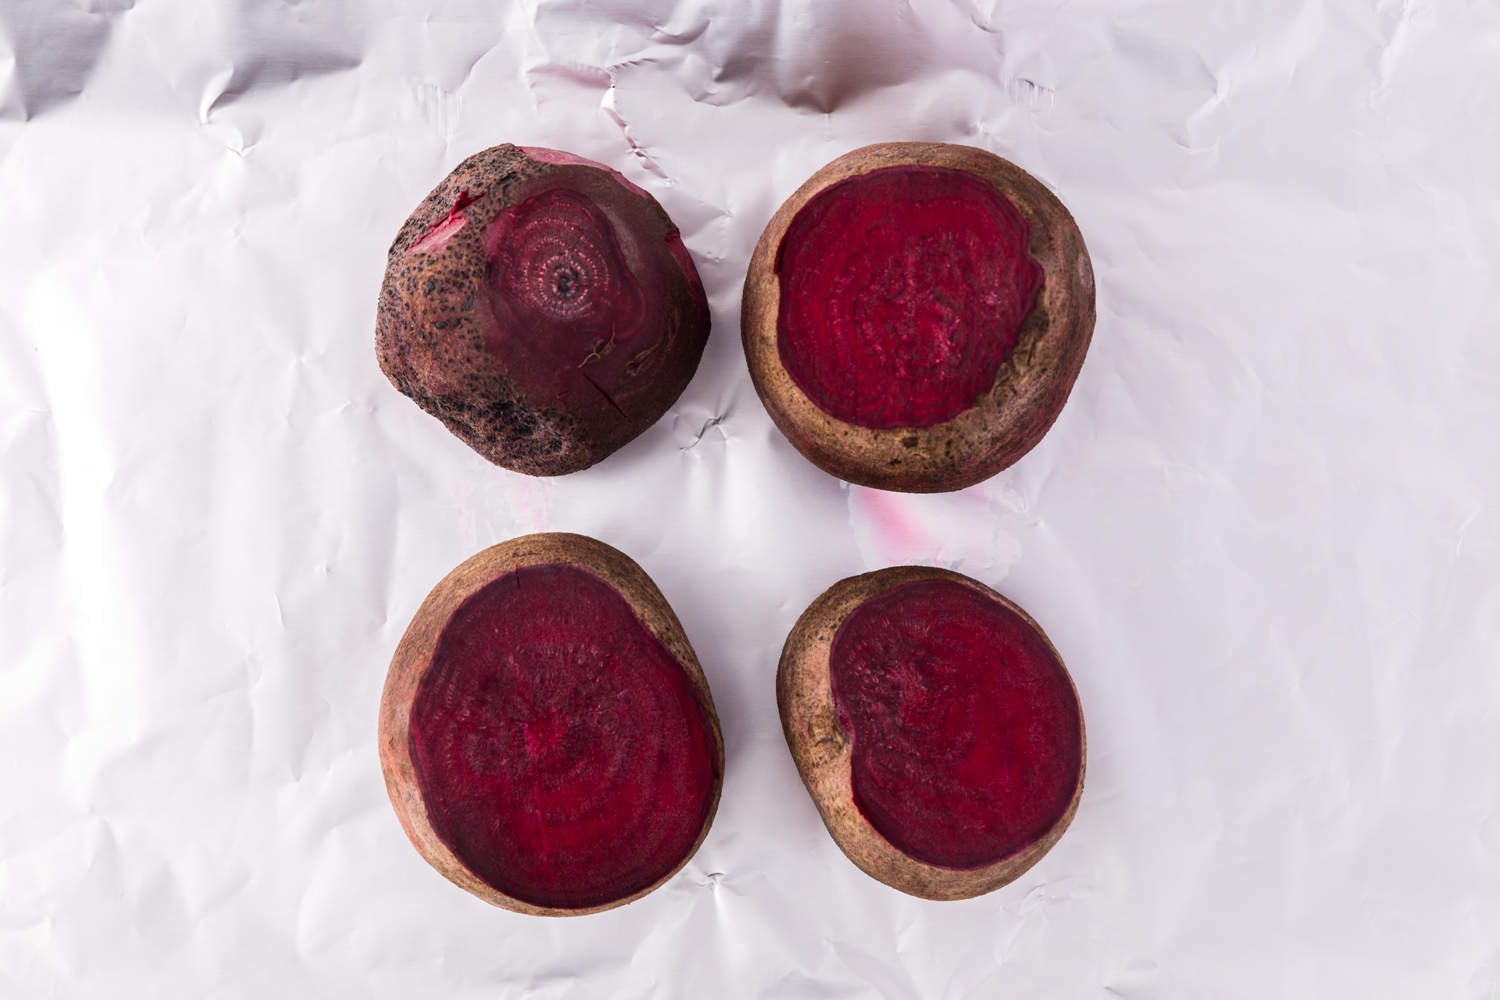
(542,307)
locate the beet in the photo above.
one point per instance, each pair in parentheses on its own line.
(935,727)
(915,315)
(547,736)
(543,307)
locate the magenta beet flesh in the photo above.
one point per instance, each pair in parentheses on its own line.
(964,729)
(903,291)
(560,750)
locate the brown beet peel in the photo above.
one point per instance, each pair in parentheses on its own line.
(915,315)
(935,727)
(542,307)
(547,736)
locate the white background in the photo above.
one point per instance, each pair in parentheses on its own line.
(1265,532)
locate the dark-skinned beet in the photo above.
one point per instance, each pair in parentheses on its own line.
(547,735)
(542,307)
(935,727)
(915,315)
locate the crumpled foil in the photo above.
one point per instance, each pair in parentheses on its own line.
(1264,534)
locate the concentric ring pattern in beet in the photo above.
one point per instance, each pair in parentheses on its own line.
(966,740)
(560,750)
(564,297)
(903,291)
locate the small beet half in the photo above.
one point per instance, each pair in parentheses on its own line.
(542,307)
(935,727)
(915,315)
(547,735)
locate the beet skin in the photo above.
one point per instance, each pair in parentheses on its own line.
(542,307)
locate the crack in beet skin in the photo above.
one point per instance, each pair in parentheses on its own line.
(560,748)
(440,232)
(964,728)
(903,291)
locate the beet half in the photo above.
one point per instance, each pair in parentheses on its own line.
(546,733)
(542,307)
(915,315)
(935,727)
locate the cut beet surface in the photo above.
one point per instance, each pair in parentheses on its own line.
(903,291)
(559,747)
(569,313)
(963,727)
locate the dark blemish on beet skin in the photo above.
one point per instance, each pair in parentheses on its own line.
(562,754)
(903,291)
(964,729)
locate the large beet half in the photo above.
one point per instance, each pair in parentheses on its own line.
(546,733)
(915,315)
(935,727)
(542,307)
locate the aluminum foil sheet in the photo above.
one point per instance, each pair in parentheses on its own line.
(1264,534)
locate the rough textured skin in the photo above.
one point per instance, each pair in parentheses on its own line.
(539,392)
(1032,384)
(822,749)
(414,657)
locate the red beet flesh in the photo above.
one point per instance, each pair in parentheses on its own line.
(965,740)
(560,750)
(903,291)
(566,305)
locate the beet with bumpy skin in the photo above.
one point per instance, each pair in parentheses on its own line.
(935,727)
(915,315)
(542,307)
(547,736)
